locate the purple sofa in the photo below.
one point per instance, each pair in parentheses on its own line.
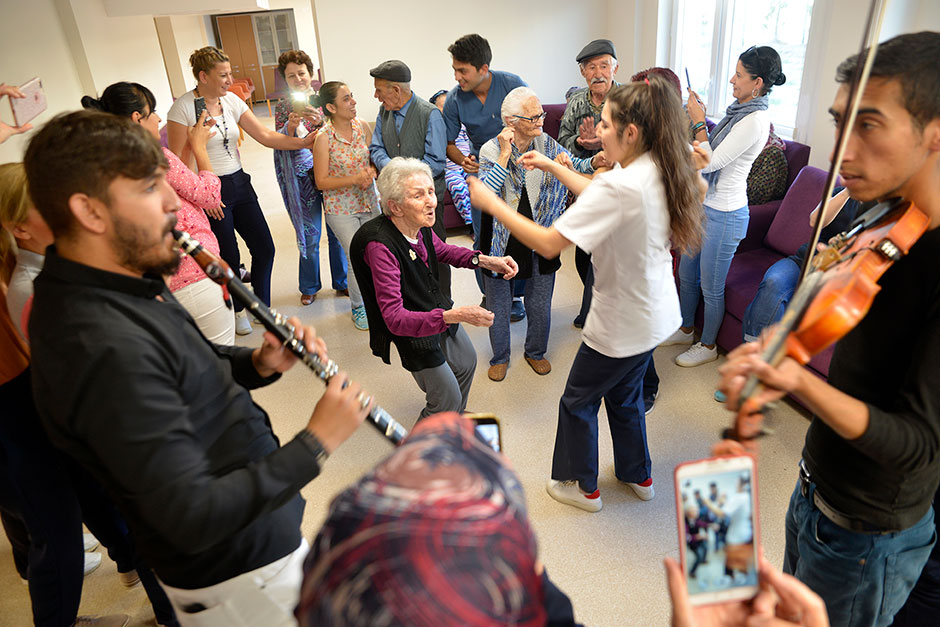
(776,230)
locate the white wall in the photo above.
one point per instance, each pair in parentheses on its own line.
(22,25)
(189,31)
(536,41)
(122,49)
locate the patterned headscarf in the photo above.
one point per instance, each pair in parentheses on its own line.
(436,535)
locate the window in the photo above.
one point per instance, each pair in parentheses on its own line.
(711,34)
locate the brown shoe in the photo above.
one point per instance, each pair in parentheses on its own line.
(344,292)
(307,299)
(541,366)
(497,372)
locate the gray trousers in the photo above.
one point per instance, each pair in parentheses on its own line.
(447,386)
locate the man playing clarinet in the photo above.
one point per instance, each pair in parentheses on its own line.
(860,526)
(127,385)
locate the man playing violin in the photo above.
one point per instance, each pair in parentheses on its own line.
(860,526)
(127,385)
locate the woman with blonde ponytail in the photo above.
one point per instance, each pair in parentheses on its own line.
(628,218)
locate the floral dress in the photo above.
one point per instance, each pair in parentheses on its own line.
(347,158)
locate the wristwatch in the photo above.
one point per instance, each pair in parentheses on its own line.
(316,446)
(475,260)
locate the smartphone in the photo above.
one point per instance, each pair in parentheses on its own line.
(200,105)
(716,508)
(299,101)
(687,81)
(26,109)
(488,428)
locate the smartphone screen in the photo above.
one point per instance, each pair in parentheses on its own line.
(718,531)
(487,427)
(26,109)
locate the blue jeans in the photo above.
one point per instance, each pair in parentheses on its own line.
(538,309)
(309,273)
(619,383)
(773,295)
(864,578)
(708,270)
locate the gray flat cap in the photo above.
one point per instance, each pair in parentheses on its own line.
(595,49)
(393,70)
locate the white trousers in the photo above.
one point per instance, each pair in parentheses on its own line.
(264,597)
(203,300)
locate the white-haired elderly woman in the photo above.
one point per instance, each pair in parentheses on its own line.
(396,257)
(536,195)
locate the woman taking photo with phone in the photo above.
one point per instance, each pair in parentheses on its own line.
(344,175)
(734,143)
(304,203)
(628,218)
(199,195)
(241,211)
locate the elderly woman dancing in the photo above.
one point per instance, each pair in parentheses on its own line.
(536,195)
(395,258)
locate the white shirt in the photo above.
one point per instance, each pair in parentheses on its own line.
(734,157)
(621,218)
(28,267)
(738,510)
(183,111)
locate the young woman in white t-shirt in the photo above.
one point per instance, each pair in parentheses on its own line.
(628,218)
(733,143)
(241,211)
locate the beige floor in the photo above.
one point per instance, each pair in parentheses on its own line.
(610,563)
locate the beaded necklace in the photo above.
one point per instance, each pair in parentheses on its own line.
(224,127)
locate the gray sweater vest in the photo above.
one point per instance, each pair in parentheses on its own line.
(414,131)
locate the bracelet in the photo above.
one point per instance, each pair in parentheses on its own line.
(697,127)
(316,446)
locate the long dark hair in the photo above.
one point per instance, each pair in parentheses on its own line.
(764,61)
(327,95)
(123,99)
(656,109)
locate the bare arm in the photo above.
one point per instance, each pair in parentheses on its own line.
(467,162)
(177,136)
(547,242)
(267,137)
(575,183)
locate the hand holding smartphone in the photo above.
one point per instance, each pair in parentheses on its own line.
(716,503)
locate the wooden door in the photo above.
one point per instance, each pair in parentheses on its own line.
(251,67)
(238,42)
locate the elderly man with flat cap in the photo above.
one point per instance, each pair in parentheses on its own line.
(409,126)
(598,61)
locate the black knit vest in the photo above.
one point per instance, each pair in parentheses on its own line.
(420,290)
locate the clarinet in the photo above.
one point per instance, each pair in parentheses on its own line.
(220,272)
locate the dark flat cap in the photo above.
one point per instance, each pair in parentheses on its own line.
(393,70)
(595,49)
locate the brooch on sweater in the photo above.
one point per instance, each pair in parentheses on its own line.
(412,254)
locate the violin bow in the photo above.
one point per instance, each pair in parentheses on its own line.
(876,14)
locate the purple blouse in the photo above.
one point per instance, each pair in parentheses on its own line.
(386,275)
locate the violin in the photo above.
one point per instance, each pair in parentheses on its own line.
(836,295)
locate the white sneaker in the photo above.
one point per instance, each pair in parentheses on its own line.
(90,542)
(569,493)
(92,561)
(697,355)
(242,324)
(679,337)
(644,493)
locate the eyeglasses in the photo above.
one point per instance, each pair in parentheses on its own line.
(533,119)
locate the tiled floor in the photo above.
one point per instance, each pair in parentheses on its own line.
(610,563)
